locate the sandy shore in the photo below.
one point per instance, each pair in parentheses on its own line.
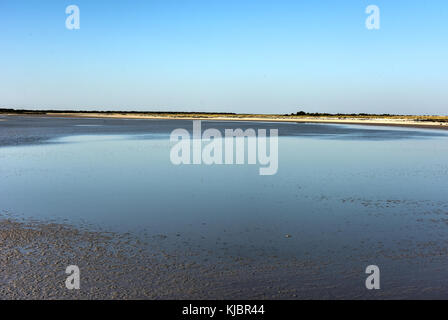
(34,256)
(345,120)
(428,122)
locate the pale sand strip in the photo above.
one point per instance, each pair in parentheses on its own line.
(348,120)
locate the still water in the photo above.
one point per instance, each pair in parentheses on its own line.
(341,191)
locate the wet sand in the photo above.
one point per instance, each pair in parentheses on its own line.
(35,254)
(113,265)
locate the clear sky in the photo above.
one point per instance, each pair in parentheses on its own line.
(256,56)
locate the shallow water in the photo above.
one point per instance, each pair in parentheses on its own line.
(347,195)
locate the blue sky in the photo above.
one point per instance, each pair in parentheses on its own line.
(230,56)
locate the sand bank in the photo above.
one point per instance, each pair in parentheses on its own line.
(432,122)
(404,122)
